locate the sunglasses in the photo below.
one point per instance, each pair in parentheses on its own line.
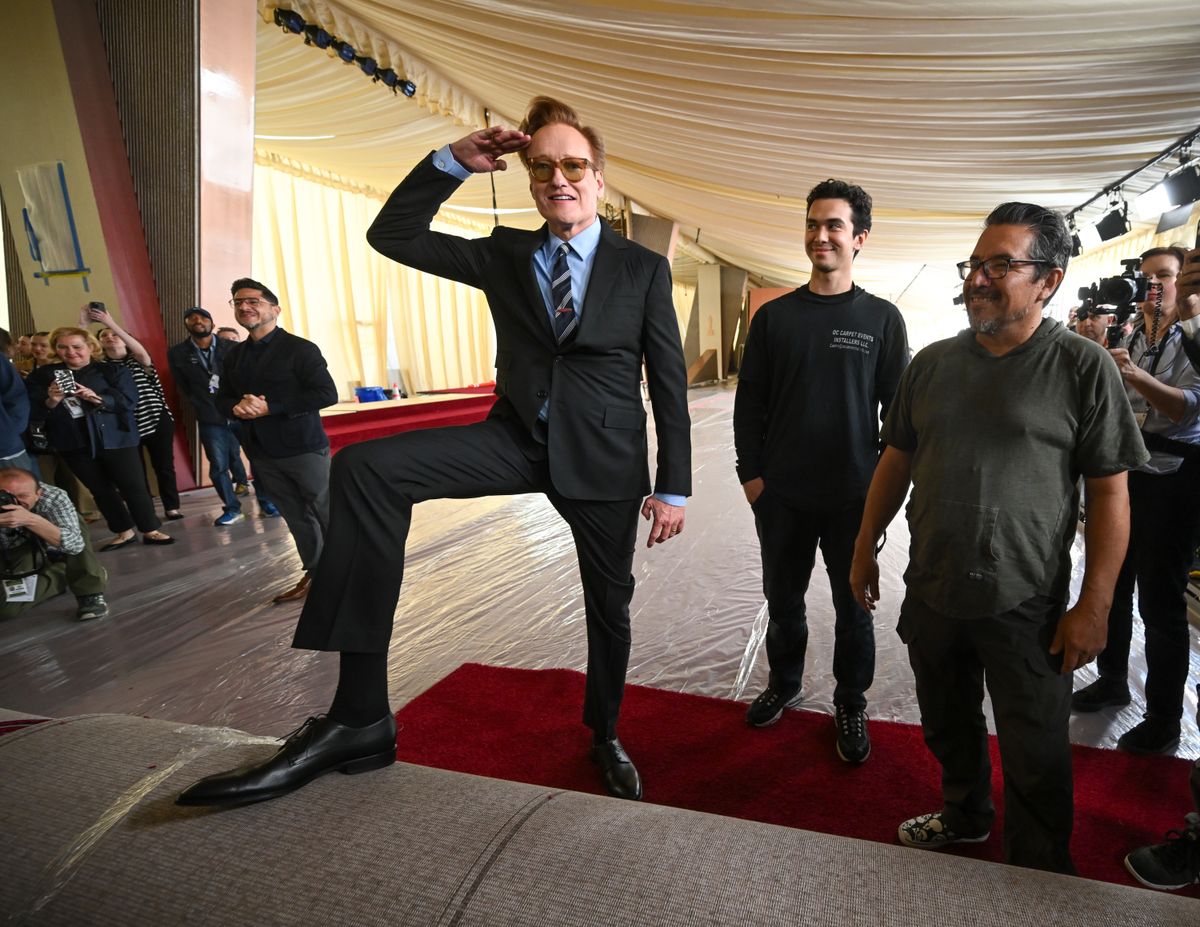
(572,168)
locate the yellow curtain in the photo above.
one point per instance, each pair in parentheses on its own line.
(310,247)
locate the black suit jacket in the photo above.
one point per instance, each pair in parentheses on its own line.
(596,445)
(191,377)
(291,373)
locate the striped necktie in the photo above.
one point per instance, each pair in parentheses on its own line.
(565,319)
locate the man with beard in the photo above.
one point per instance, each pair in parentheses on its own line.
(993,429)
(275,383)
(196,366)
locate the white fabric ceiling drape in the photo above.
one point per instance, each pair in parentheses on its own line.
(721,116)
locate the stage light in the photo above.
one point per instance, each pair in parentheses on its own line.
(1114,224)
(289,21)
(315,35)
(1152,203)
(1089,238)
(1183,187)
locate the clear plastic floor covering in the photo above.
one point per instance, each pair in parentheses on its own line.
(193,636)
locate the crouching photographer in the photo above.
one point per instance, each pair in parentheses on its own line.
(1164,501)
(44,549)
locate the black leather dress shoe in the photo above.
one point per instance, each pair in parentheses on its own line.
(620,776)
(319,746)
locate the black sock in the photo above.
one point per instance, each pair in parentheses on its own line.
(361,697)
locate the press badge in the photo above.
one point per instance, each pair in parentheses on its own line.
(20,590)
(73,407)
(214,383)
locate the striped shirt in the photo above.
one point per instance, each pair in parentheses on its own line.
(150,405)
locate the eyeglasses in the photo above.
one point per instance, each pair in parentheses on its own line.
(993,268)
(572,168)
(250,302)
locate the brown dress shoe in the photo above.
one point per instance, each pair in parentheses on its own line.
(299,591)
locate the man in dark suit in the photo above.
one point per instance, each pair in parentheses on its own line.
(275,383)
(576,309)
(196,366)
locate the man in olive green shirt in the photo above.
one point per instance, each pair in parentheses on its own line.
(993,429)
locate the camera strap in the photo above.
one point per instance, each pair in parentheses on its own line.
(38,560)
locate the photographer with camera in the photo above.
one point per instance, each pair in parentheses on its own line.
(88,409)
(1164,500)
(44,549)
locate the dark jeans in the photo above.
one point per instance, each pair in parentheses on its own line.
(224,452)
(789,538)
(1031,700)
(116,480)
(1164,528)
(373,488)
(160,445)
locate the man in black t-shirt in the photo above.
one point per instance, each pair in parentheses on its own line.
(819,364)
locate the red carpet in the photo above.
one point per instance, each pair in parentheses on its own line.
(697,752)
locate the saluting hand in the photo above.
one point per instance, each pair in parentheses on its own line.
(483,152)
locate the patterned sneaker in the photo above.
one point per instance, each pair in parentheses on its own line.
(229,518)
(928,832)
(853,741)
(91,606)
(768,707)
(1171,865)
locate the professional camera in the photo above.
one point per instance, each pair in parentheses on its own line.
(1117,296)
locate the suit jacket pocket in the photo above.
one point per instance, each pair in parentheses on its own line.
(628,417)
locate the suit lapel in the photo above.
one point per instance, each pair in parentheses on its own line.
(610,256)
(533,294)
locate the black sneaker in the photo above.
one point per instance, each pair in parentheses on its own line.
(1171,865)
(853,741)
(1154,735)
(768,707)
(1104,692)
